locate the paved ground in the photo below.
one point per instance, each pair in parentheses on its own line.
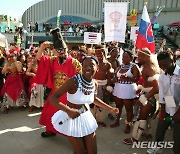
(20,134)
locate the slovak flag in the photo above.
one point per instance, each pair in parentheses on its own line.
(145,38)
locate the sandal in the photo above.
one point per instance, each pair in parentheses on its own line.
(47,134)
(129,141)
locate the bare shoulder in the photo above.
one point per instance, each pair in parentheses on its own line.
(72,84)
(150,70)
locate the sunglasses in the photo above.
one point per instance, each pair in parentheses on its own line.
(61,50)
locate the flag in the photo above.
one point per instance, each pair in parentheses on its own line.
(58,18)
(92,36)
(145,38)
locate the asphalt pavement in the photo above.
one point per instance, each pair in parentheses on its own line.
(20,133)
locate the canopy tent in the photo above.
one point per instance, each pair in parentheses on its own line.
(66,23)
(175,24)
(86,24)
(3,40)
(4,43)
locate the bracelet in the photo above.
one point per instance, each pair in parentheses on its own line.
(109,88)
(139,87)
(143,100)
(111,70)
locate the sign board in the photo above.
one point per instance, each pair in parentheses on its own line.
(134,33)
(115,18)
(92,38)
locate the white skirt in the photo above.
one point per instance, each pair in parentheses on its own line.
(37,101)
(125,91)
(81,126)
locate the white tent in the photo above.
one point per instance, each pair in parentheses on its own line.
(3,40)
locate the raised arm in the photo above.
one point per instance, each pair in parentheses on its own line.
(44,45)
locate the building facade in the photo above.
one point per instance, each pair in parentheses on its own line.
(78,11)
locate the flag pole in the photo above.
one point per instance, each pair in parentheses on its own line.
(145,3)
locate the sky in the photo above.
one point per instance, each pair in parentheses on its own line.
(15,8)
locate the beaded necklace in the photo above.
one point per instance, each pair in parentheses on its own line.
(86,87)
(125,67)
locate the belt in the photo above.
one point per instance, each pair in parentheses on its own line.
(124,82)
(75,106)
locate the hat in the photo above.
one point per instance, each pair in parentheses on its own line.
(145,52)
(58,40)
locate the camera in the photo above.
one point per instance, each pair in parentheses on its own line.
(58,41)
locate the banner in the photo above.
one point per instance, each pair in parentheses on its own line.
(145,38)
(115,18)
(134,33)
(58,17)
(92,38)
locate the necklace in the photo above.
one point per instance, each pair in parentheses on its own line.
(86,87)
(126,66)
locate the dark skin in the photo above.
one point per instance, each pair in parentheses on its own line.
(113,59)
(149,70)
(104,67)
(168,66)
(86,144)
(128,103)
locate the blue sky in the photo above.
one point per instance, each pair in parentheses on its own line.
(15,8)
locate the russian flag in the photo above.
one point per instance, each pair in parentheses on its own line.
(145,38)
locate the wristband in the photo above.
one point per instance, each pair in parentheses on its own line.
(111,70)
(109,88)
(139,87)
(143,100)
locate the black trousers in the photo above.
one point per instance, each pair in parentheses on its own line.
(161,131)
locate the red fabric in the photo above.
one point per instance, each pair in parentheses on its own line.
(16,50)
(143,43)
(13,86)
(32,83)
(145,38)
(45,75)
(140,82)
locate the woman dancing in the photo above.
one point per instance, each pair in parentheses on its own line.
(75,120)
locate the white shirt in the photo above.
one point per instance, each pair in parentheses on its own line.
(167,85)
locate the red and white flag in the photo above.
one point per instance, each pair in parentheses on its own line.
(145,38)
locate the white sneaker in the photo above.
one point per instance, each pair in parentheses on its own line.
(154,150)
